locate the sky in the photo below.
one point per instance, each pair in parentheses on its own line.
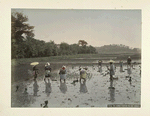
(96,27)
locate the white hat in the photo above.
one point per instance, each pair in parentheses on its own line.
(111,61)
(63,66)
(85,68)
(47,64)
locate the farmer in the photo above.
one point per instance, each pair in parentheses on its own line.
(100,63)
(111,69)
(99,66)
(63,73)
(82,73)
(47,66)
(121,66)
(47,70)
(129,61)
(35,71)
(47,74)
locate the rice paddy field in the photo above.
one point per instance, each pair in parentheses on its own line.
(97,91)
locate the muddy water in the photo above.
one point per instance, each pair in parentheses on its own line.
(97,91)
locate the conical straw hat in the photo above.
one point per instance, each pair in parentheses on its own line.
(111,61)
(34,63)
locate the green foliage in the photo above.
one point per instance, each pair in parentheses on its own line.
(28,47)
(18,28)
(82,42)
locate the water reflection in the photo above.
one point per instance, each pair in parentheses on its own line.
(130,83)
(83,88)
(35,88)
(100,69)
(112,91)
(129,71)
(63,87)
(121,69)
(23,99)
(121,66)
(48,88)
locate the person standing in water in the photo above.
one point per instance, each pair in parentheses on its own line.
(35,71)
(47,66)
(83,73)
(100,66)
(63,73)
(111,69)
(129,61)
(129,66)
(100,63)
(47,70)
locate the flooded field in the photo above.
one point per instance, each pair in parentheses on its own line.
(96,91)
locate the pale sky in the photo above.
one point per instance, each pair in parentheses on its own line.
(97,27)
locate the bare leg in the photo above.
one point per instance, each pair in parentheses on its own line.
(35,77)
(111,77)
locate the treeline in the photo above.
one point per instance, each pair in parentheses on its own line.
(31,47)
(117,48)
(24,45)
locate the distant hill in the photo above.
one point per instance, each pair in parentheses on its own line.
(117,48)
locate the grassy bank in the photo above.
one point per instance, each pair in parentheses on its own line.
(77,58)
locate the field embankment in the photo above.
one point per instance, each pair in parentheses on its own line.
(79,58)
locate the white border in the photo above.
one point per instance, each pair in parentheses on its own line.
(5,67)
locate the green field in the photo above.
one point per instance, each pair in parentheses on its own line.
(77,58)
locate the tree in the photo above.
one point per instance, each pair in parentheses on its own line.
(30,47)
(64,49)
(51,49)
(82,42)
(18,28)
(40,50)
(74,48)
